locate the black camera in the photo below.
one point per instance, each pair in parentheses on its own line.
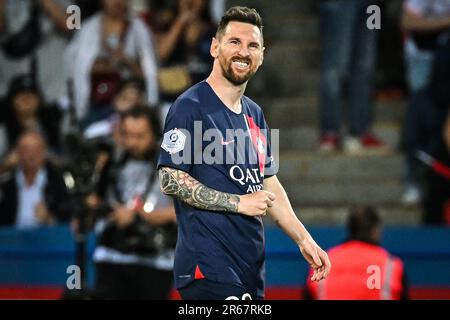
(140,237)
(82,174)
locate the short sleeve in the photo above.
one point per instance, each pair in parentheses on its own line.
(177,147)
(272,140)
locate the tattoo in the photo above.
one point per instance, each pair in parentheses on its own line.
(182,186)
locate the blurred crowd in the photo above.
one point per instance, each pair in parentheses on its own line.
(348,61)
(80,126)
(63,89)
(81,113)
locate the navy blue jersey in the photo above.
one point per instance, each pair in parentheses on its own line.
(203,138)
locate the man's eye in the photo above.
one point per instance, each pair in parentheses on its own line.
(234,42)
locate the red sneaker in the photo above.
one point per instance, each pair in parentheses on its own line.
(369,140)
(329,142)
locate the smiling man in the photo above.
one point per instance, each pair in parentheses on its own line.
(220,247)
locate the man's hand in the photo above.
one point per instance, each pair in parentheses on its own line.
(317,259)
(255,204)
(93,201)
(10,161)
(285,217)
(181,185)
(43,214)
(123,216)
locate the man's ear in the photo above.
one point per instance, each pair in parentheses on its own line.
(262,56)
(214,49)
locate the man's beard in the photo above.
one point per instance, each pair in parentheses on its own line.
(235,79)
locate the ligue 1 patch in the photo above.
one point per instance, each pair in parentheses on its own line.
(173,141)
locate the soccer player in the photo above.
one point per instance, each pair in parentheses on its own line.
(220,204)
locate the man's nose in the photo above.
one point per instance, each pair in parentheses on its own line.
(243,51)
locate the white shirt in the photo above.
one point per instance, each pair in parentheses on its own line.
(86,45)
(28,197)
(49,54)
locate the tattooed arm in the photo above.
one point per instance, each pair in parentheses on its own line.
(181,185)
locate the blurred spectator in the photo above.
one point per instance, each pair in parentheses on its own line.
(354,262)
(144,7)
(217,9)
(134,256)
(110,47)
(436,202)
(25,110)
(427,26)
(89,7)
(183,30)
(130,93)
(348,52)
(33,193)
(423,21)
(437,187)
(390,69)
(33,37)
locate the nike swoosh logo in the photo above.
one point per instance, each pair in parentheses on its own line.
(225,143)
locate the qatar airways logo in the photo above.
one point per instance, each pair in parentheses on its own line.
(251,177)
(253,146)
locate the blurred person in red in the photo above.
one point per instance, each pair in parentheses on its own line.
(362,268)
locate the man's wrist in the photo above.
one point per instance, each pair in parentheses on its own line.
(239,204)
(303,236)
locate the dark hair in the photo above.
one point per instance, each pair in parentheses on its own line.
(361,222)
(152,116)
(240,14)
(21,83)
(137,83)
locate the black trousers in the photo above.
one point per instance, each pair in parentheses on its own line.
(126,282)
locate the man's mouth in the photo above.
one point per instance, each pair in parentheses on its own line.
(241,64)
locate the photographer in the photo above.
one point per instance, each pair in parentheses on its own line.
(136,239)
